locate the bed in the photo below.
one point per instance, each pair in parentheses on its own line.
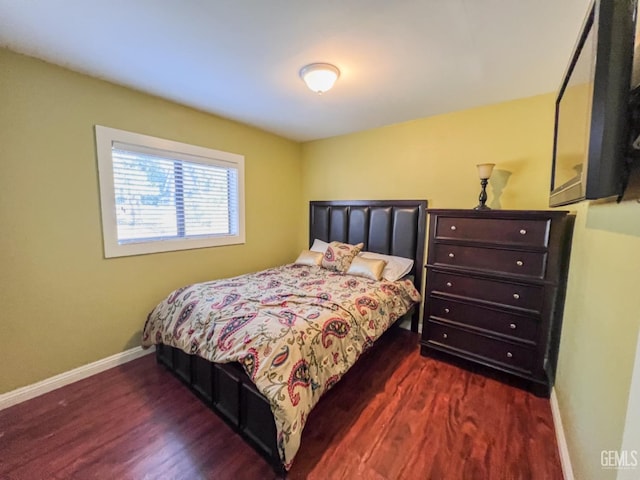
(290,333)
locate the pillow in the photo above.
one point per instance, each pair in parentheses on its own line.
(396,268)
(339,256)
(307,257)
(367,268)
(319,246)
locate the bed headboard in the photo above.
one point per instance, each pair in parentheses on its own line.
(392,227)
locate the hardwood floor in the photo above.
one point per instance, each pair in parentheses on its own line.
(395,415)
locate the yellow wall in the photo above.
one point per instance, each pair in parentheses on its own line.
(62,304)
(601,322)
(434,158)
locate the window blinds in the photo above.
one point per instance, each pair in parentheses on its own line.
(164,195)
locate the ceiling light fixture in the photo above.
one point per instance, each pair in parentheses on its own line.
(319,77)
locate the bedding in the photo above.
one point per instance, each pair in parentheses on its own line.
(339,256)
(396,267)
(367,267)
(295,329)
(309,257)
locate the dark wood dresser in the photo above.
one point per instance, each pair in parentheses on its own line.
(495,289)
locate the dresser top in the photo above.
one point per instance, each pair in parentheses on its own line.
(506,214)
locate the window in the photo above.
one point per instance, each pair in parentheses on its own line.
(158,195)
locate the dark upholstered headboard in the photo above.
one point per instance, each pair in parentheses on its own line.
(392,227)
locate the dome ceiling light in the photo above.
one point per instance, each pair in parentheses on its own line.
(319,77)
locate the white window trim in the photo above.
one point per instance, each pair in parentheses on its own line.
(105,137)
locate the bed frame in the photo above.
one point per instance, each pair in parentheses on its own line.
(395,227)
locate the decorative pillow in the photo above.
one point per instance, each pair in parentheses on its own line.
(319,246)
(339,256)
(367,268)
(307,257)
(396,268)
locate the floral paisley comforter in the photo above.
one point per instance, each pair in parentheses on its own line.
(295,329)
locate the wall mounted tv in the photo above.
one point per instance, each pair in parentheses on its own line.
(591,122)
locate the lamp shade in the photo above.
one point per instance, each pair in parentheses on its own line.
(485,169)
(319,77)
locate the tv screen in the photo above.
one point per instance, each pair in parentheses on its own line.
(590,135)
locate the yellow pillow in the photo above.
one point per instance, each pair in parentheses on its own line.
(307,257)
(367,268)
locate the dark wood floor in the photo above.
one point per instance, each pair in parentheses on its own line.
(396,415)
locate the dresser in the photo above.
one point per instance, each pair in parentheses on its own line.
(495,290)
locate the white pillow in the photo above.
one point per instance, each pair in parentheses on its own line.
(396,267)
(319,246)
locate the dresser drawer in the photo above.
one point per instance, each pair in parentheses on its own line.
(533,233)
(528,264)
(529,297)
(494,351)
(475,316)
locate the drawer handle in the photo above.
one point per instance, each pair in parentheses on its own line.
(523,232)
(453,227)
(512,326)
(519,263)
(451,255)
(516,296)
(509,355)
(444,335)
(449,284)
(446,310)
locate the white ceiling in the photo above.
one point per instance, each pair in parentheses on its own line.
(400,59)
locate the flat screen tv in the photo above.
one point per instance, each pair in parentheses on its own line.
(591,118)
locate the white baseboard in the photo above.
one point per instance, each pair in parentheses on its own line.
(563,449)
(31,391)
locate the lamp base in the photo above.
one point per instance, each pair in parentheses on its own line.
(481,207)
(483,195)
